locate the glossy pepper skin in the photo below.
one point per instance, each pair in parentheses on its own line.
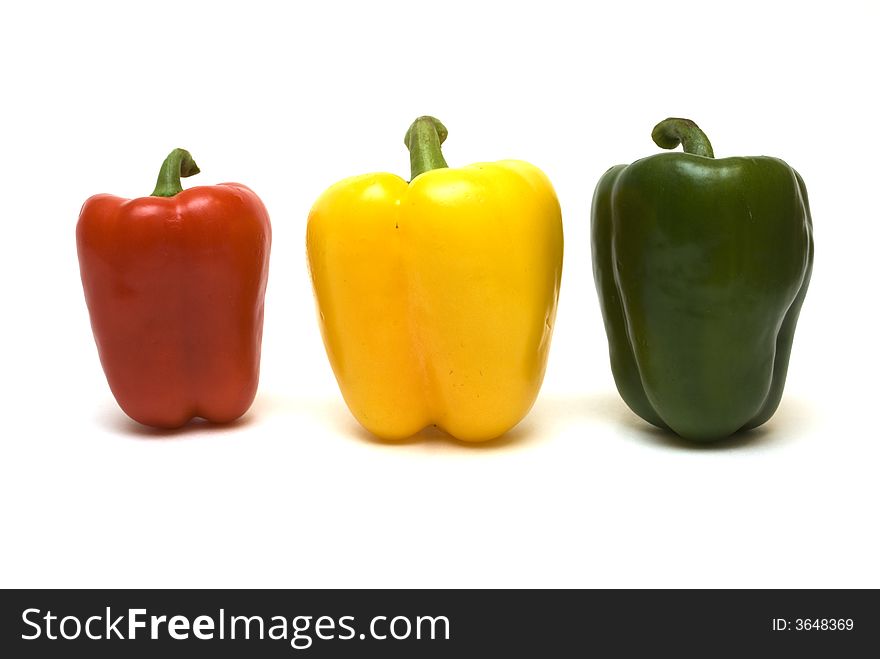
(174,285)
(437,297)
(701,266)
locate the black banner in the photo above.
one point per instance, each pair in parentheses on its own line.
(436,623)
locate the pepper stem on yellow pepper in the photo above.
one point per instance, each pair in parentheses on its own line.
(178,163)
(423,139)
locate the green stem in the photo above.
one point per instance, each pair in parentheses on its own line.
(423,139)
(178,163)
(671,132)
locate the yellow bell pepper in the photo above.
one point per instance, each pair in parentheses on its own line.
(437,298)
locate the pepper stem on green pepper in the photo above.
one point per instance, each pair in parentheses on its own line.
(179,163)
(671,132)
(423,139)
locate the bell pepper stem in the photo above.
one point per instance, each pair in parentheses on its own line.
(423,139)
(179,163)
(671,132)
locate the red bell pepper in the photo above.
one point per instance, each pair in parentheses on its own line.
(175,284)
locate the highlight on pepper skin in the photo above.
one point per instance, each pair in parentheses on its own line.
(175,284)
(437,298)
(701,266)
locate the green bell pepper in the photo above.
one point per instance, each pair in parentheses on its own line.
(701,266)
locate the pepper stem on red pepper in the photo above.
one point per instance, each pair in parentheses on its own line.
(671,132)
(179,163)
(423,139)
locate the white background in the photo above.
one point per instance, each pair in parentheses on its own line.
(291,97)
